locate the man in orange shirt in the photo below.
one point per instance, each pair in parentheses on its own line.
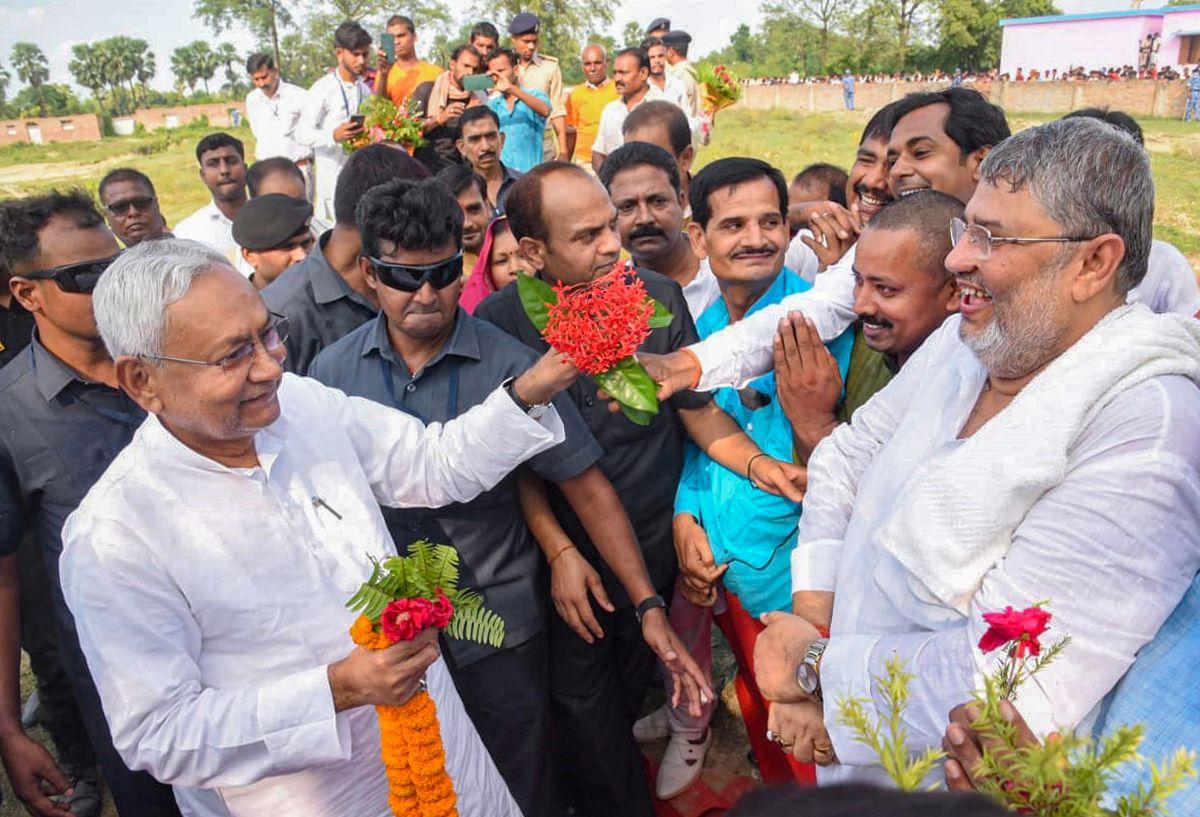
(399,79)
(585,104)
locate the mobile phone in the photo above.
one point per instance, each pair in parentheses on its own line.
(357,119)
(477,82)
(388,43)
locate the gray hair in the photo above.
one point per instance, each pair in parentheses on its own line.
(131,298)
(1090,177)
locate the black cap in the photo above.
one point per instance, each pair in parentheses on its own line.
(524,23)
(267,221)
(657,23)
(676,38)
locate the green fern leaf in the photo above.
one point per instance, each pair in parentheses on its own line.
(477,625)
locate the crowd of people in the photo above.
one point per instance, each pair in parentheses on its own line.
(956,376)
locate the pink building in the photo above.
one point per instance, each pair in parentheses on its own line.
(1164,37)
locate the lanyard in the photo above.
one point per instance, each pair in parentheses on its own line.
(346,99)
(451,396)
(130,419)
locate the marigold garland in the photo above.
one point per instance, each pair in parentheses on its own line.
(410,746)
(602,322)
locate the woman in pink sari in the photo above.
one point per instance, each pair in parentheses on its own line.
(497,266)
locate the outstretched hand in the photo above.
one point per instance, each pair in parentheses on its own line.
(688,684)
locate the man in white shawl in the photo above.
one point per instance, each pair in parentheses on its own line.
(209,567)
(1042,445)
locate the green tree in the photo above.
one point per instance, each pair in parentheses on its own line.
(825,15)
(88,69)
(304,61)
(227,56)
(632,34)
(968,31)
(565,23)
(264,18)
(5,78)
(431,17)
(741,44)
(48,99)
(147,67)
(33,69)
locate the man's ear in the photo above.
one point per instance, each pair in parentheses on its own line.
(27,293)
(696,236)
(1099,261)
(975,159)
(953,297)
(686,158)
(368,272)
(137,378)
(459,143)
(534,252)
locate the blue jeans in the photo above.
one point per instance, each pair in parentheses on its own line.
(848,98)
(1193,107)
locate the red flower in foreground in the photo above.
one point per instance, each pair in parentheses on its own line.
(442,610)
(404,619)
(600,323)
(1020,626)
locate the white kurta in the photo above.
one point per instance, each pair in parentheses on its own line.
(329,103)
(1113,546)
(210,600)
(275,122)
(214,229)
(1170,282)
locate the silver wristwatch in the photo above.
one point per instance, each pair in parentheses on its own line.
(808,674)
(534,410)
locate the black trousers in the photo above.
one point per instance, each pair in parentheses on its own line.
(596,694)
(135,794)
(39,638)
(507,697)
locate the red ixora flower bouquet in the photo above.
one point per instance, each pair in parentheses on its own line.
(600,325)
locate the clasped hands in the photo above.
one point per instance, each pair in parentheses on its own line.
(796,722)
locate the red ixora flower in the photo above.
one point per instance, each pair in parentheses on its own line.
(404,619)
(1020,626)
(602,322)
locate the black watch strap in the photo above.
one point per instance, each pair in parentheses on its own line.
(648,605)
(512,392)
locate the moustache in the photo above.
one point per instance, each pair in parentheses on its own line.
(766,249)
(646,232)
(881,323)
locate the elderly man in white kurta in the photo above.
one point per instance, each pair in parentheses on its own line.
(1043,445)
(209,567)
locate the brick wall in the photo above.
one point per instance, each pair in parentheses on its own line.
(217,113)
(74,128)
(1140,97)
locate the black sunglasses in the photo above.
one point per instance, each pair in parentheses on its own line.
(411,277)
(142,204)
(78,277)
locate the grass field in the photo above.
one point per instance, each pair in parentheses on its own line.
(787,140)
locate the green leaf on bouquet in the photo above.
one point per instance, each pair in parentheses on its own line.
(637,416)
(630,385)
(662,317)
(535,294)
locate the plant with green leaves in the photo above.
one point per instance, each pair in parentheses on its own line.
(427,572)
(599,325)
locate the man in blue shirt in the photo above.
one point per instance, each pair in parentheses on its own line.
(522,113)
(848,89)
(1193,101)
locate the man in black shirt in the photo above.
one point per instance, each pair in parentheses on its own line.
(64,420)
(16,324)
(564,223)
(325,295)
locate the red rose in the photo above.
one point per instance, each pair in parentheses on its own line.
(442,610)
(404,619)
(1020,626)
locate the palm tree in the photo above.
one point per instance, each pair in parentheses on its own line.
(87,68)
(5,78)
(146,69)
(206,62)
(183,66)
(228,56)
(33,69)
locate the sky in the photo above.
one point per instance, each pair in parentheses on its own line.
(56,25)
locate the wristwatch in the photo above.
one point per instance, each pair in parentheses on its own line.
(534,410)
(648,605)
(808,674)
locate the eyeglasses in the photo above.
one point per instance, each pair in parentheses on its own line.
(141,203)
(271,339)
(981,240)
(411,277)
(79,277)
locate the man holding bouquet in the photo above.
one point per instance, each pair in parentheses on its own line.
(209,568)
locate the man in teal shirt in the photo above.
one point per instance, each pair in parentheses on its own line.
(522,113)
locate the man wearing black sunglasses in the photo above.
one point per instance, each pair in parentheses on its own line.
(131,206)
(64,420)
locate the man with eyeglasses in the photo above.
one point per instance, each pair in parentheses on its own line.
(428,357)
(65,419)
(131,206)
(326,295)
(210,566)
(1041,445)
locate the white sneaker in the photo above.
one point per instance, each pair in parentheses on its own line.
(652,727)
(682,763)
